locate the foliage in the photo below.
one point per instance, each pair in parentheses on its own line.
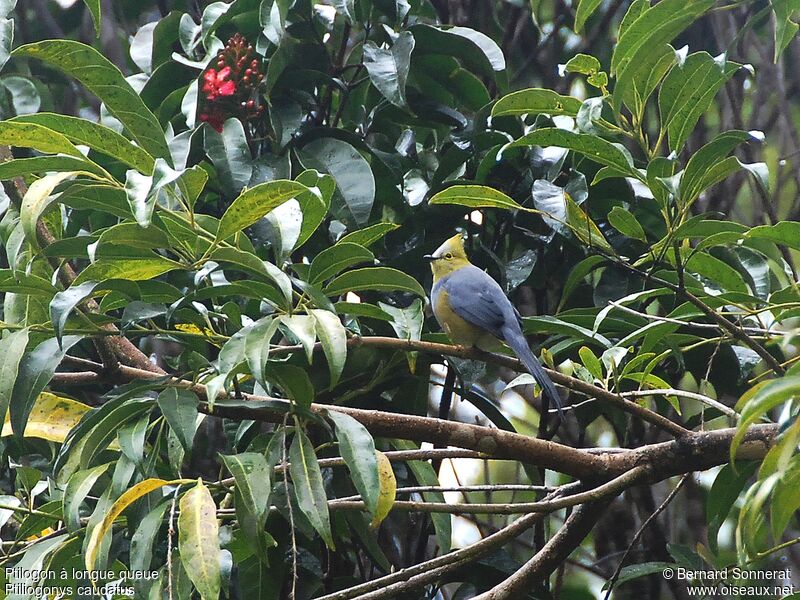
(252,214)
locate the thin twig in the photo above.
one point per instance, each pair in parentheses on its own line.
(683,393)
(639,533)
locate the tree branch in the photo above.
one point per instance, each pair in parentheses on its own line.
(554,552)
(693,452)
(111,349)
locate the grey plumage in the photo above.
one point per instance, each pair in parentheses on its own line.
(478,299)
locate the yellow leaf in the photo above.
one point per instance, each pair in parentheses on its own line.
(42,533)
(124,501)
(190,328)
(388,489)
(51,418)
(198,540)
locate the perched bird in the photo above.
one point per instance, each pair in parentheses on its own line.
(474,311)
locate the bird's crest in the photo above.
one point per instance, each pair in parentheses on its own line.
(453,246)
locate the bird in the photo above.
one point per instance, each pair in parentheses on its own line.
(473,310)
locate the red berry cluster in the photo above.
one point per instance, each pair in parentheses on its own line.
(229,85)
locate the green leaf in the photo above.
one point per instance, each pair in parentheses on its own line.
(308,486)
(131,438)
(94,8)
(585,10)
(31,135)
(198,540)
(25,98)
(591,146)
(591,362)
(293,381)
(257,344)
(688,91)
(35,371)
(104,80)
(20,167)
(583,227)
(765,398)
(253,486)
(256,202)
(362,309)
(250,263)
(635,85)
(314,203)
(536,101)
(623,221)
(352,173)
(12,349)
(476,50)
(179,408)
(142,202)
(726,488)
(96,136)
(653,28)
(132,269)
(143,540)
(706,166)
(475,196)
(388,67)
(111,419)
(548,324)
(645,56)
(333,337)
(632,572)
(131,235)
(358,450)
(230,154)
(78,487)
(104,198)
(583,63)
(635,10)
(337,258)
(384,279)
(303,328)
(785,500)
(63,303)
(577,275)
(782,232)
(369,235)
(718,271)
(785,28)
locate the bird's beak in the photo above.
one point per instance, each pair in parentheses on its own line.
(429,257)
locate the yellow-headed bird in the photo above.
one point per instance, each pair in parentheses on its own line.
(474,311)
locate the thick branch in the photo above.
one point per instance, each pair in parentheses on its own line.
(571,383)
(693,452)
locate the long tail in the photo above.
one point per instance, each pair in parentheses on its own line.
(519,345)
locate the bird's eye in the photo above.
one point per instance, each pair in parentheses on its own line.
(448,256)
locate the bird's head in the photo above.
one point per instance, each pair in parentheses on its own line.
(448,257)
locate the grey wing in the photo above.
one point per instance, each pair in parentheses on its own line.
(478,299)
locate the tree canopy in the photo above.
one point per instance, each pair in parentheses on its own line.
(219,371)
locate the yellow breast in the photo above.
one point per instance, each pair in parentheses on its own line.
(457,329)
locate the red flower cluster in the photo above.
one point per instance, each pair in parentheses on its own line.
(216,83)
(231,89)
